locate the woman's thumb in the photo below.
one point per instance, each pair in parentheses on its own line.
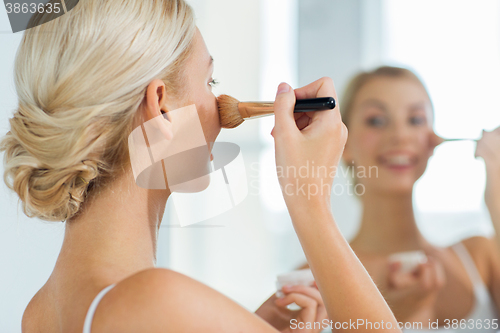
(283,107)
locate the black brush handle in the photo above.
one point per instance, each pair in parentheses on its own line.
(314,104)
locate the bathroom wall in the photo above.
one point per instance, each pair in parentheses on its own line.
(256,45)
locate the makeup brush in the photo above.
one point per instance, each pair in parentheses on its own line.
(233,112)
(460,139)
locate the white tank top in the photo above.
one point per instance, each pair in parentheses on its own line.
(484,309)
(90,313)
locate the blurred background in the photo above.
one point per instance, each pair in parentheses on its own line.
(454,45)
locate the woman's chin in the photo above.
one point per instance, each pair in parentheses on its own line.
(399,188)
(394,185)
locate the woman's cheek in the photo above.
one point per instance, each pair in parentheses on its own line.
(367,148)
(215,120)
(424,147)
(370,141)
(209,116)
(424,144)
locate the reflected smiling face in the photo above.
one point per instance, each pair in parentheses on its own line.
(390,127)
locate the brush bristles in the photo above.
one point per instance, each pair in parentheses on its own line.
(228,111)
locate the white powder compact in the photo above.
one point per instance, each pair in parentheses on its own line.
(409,260)
(303,277)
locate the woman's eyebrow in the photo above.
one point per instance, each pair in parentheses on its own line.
(419,106)
(374,102)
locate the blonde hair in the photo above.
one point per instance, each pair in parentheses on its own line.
(80,80)
(359,80)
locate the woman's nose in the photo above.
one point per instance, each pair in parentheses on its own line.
(399,133)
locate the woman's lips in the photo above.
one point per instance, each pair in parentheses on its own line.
(398,161)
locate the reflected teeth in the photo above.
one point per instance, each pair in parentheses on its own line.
(399,160)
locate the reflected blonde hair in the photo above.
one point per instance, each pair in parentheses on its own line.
(80,80)
(362,78)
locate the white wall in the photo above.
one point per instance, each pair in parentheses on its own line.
(28,248)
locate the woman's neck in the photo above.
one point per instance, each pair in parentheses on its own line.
(388,224)
(116,234)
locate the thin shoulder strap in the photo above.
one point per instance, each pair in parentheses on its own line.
(90,313)
(468,263)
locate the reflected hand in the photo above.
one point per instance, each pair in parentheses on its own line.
(488,147)
(276,313)
(412,295)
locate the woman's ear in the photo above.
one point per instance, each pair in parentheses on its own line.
(155,106)
(156,100)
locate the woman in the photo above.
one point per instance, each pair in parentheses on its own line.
(389,115)
(85,80)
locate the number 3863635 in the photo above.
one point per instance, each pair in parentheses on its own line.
(25,8)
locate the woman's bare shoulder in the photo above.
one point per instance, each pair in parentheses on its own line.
(34,317)
(161,300)
(479,247)
(483,252)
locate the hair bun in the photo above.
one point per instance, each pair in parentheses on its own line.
(46,193)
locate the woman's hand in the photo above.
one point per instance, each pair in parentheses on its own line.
(278,317)
(309,319)
(488,147)
(412,295)
(308,145)
(275,310)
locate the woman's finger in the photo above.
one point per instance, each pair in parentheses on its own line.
(305,290)
(321,313)
(436,272)
(323,87)
(283,108)
(488,146)
(320,88)
(430,274)
(401,280)
(314,293)
(308,305)
(440,275)
(303,122)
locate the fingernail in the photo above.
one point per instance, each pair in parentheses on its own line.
(283,88)
(287,287)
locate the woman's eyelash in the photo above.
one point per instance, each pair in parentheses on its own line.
(213,83)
